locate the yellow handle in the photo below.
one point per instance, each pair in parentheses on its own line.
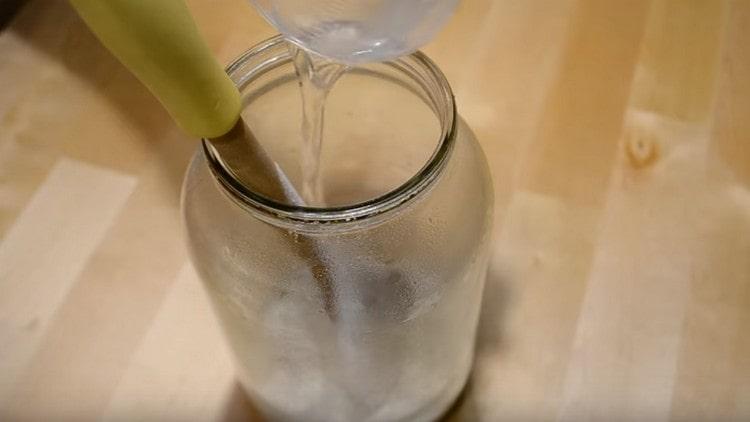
(160,43)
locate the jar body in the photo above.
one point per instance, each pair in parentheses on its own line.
(367,320)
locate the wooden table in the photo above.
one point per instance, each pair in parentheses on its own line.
(619,137)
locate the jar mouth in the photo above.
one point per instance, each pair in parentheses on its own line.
(437,94)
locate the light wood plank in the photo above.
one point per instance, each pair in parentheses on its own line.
(183,343)
(536,284)
(45,251)
(630,327)
(105,315)
(576,143)
(731,146)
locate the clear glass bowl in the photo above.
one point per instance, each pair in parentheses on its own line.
(358,31)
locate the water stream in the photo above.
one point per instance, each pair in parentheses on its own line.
(317,76)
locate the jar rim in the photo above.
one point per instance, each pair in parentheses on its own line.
(279,213)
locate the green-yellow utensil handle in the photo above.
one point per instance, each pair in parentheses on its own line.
(160,43)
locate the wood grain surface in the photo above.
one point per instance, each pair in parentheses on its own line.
(618,133)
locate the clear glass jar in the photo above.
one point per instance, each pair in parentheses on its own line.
(366,310)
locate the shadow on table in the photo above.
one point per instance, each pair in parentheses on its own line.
(489,342)
(240,408)
(8,9)
(55,30)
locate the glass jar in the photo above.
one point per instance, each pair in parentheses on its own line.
(367,309)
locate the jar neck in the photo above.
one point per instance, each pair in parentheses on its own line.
(428,82)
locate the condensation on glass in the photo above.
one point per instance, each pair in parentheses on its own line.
(365,310)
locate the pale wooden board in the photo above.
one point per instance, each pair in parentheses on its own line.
(186,333)
(618,138)
(43,253)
